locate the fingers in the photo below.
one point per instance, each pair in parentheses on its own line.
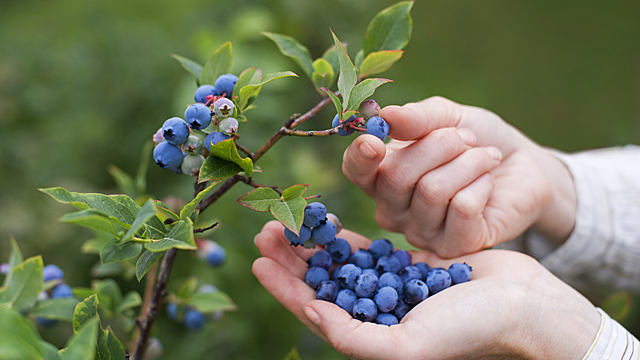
(272,244)
(361,160)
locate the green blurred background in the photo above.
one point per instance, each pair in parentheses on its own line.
(83,84)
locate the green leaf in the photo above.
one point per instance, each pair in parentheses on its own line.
(55,309)
(82,345)
(323,74)
(25,284)
(358,60)
(109,294)
(116,349)
(336,101)
(191,66)
(187,287)
(102,350)
(348,76)
(250,76)
(347,114)
(146,213)
(259,199)
(131,300)
(322,66)
(292,48)
(92,219)
(212,302)
(145,262)
(390,29)
(85,311)
(219,63)
(18,338)
(294,191)
(141,177)
(165,210)
(331,56)
(246,92)
(363,90)
(83,292)
(290,213)
(188,209)
(14,260)
(50,351)
(94,245)
(112,251)
(293,355)
(180,237)
(224,162)
(379,61)
(124,181)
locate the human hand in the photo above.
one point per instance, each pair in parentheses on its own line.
(458,179)
(511,308)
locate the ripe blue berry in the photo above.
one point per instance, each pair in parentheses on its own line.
(459,273)
(368,109)
(410,272)
(386,299)
(175,131)
(214,138)
(334,219)
(345,131)
(348,275)
(370,271)
(366,285)
(392,280)
(424,269)
(167,156)
(320,259)
(335,273)
(216,255)
(362,258)
(380,248)
(314,213)
(340,250)
(225,84)
(61,291)
(52,272)
(377,127)
(198,116)
(365,309)
(414,291)
(345,300)
(229,126)
(388,264)
(203,91)
(295,240)
(386,319)
(315,276)
(324,233)
(46,323)
(402,308)
(193,319)
(191,164)
(403,256)
(327,291)
(438,279)
(223,108)
(172,311)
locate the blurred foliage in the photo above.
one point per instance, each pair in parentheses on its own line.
(84,84)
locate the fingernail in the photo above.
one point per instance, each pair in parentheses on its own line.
(312,315)
(255,239)
(494,152)
(367,151)
(467,136)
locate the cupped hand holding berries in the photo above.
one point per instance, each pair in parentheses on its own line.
(457,179)
(509,308)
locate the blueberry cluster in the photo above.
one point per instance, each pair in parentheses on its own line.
(187,315)
(211,252)
(318,226)
(177,146)
(368,112)
(60,290)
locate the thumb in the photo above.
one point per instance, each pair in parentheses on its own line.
(413,121)
(361,160)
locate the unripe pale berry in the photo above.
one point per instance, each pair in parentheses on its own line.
(223,108)
(368,109)
(191,164)
(334,219)
(157,137)
(229,126)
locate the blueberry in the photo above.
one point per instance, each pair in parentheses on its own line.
(203,91)
(193,145)
(348,275)
(370,271)
(414,291)
(175,131)
(335,273)
(46,323)
(424,269)
(377,127)
(214,138)
(207,289)
(386,298)
(167,156)
(229,126)
(324,233)
(314,213)
(172,311)
(193,319)
(403,256)
(191,164)
(459,273)
(345,300)
(402,308)
(225,84)
(223,108)
(438,279)
(216,256)
(315,276)
(320,259)
(346,131)
(198,116)
(366,285)
(295,240)
(380,248)
(392,280)
(157,137)
(340,250)
(61,291)
(365,310)
(327,291)
(369,108)
(410,272)
(334,219)
(362,258)
(388,264)
(52,272)
(386,319)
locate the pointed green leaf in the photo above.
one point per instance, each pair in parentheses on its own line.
(116,348)
(290,47)
(250,76)
(363,90)
(92,219)
(94,245)
(323,74)
(336,101)
(219,63)
(187,287)
(82,345)
(180,236)
(55,309)
(102,349)
(231,163)
(112,251)
(212,302)
(358,60)
(259,199)
(348,76)
(294,191)
(290,213)
(146,213)
(25,284)
(319,81)
(83,292)
(131,300)
(188,209)
(84,312)
(390,29)
(347,114)
(18,338)
(145,262)
(322,66)
(293,355)
(379,61)
(246,92)
(191,66)
(50,351)
(165,210)
(124,181)
(14,260)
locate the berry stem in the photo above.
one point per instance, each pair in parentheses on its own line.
(313,197)
(201,230)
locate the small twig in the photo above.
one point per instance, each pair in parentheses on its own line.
(316,133)
(204,204)
(249,153)
(198,187)
(312,197)
(249,181)
(169,221)
(201,230)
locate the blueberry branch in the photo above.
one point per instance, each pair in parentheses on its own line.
(249,181)
(249,153)
(201,230)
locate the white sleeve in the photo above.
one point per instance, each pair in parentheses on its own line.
(612,342)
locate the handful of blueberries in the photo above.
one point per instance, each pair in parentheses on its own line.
(376,285)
